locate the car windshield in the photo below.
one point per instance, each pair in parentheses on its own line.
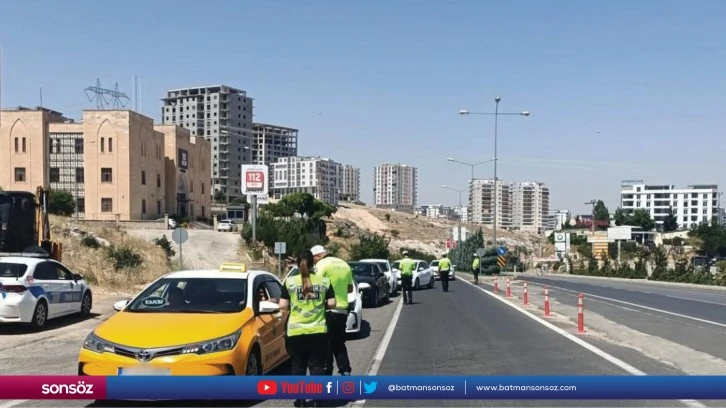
(12,270)
(363,269)
(192,295)
(434,263)
(396,265)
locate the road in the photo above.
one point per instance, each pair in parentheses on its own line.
(204,249)
(464,331)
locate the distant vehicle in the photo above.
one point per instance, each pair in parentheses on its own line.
(35,289)
(372,274)
(172,223)
(435,270)
(355,303)
(227,226)
(224,321)
(387,270)
(422,275)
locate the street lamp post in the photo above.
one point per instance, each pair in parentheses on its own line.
(458,236)
(472,165)
(496,123)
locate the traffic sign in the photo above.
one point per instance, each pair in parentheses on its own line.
(448,243)
(501,261)
(481,252)
(180,235)
(280,248)
(502,250)
(254,179)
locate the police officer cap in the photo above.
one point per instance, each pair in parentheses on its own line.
(404,253)
(476,255)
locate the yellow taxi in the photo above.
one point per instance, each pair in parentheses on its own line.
(204,322)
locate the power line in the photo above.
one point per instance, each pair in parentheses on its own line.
(100,94)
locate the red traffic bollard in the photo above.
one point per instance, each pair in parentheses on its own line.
(525,295)
(547,302)
(509,288)
(496,285)
(581,313)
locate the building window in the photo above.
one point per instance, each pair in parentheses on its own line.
(191,186)
(202,188)
(103,145)
(20,174)
(54,175)
(106,205)
(110,144)
(143,206)
(78,146)
(80,175)
(143,177)
(81,203)
(158,206)
(158,181)
(23,145)
(17,145)
(106,175)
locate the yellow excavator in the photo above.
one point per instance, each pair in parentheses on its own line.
(25,226)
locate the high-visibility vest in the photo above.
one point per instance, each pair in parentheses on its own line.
(340,275)
(475,264)
(444,264)
(307,316)
(407,266)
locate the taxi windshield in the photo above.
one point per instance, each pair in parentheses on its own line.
(192,295)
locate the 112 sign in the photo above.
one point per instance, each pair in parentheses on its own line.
(255,180)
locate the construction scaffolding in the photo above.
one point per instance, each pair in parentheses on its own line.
(66,167)
(271,143)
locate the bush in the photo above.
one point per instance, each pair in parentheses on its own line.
(124,258)
(371,246)
(90,241)
(165,244)
(395,233)
(61,202)
(388,217)
(298,233)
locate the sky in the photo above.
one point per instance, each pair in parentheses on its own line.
(382,81)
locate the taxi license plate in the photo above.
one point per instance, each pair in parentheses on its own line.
(144,371)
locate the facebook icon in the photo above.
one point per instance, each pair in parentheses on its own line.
(329,386)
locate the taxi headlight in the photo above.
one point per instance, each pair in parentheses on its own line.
(216,345)
(97,344)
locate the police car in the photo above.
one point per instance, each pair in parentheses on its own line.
(35,289)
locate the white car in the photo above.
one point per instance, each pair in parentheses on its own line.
(355,317)
(227,225)
(435,270)
(387,270)
(34,290)
(423,276)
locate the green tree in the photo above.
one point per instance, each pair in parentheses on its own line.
(601,215)
(370,246)
(641,218)
(304,204)
(620,217)
(219,197)
(61,202)
(298,233)
(670,221)
(712,238)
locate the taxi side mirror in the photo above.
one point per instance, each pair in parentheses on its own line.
(267,307)
(120,305)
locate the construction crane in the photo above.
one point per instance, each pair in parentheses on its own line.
(25,226)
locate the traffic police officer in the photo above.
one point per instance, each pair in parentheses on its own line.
(475,269)
(306,296)
(407,265)
(444,271)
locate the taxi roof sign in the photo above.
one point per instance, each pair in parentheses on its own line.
(233,267)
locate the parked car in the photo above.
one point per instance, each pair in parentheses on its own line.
(379,289)
(388,271)
(227,226)
(355,316)
(435,270)
(423,276)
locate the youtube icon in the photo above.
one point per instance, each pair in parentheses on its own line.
(267,387)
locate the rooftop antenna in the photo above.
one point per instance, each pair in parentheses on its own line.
(99,95)
(119,99)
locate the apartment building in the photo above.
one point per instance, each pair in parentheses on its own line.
(481,202)
(351,184)
(321,177)
(691,206)
(555,220)
(462,213)
(530,205)
(436,211)
(223,116)
(271,143)
(395,186)
(113,162)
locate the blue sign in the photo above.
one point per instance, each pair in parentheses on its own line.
(502,250)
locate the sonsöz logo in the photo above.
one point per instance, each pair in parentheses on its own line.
(80,388)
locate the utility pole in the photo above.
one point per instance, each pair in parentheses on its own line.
(592,202)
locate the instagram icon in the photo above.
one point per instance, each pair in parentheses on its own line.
(348,387)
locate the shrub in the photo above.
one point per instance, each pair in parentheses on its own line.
(165,244)
(372,246)
(395,233)
(124,258)
(388,217)
(61,202)
(298,233)
(90,241)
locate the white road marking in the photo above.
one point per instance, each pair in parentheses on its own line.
(382,347)
(608,357)
(697,319)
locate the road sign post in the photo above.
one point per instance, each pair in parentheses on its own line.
(180,236)
(280,248)
(255,183)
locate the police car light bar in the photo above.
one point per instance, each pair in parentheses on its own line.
(233,267)
(25,255)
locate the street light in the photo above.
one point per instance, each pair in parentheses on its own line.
(496,114)
(458,236)
(472,165)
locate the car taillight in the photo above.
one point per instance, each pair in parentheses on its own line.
(14,288)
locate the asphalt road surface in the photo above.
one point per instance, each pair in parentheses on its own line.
(466,331)
(204,249)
